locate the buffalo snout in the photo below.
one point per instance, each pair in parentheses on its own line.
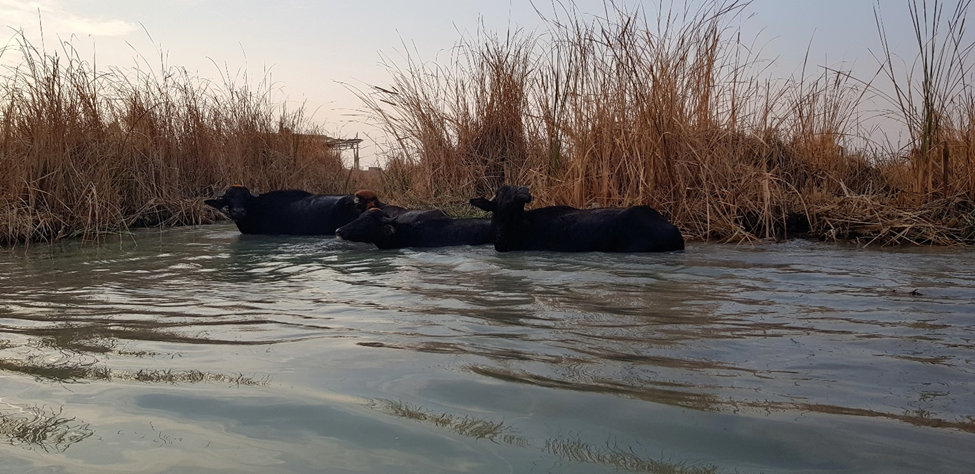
(237,213)
(513,195)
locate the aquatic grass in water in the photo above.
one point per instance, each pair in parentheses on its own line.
(42,428)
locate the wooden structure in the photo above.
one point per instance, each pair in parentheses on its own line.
(346,144)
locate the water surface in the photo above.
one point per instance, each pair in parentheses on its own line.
(201,350)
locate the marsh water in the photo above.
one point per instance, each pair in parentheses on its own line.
(201,350)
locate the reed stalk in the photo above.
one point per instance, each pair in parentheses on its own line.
(932,97)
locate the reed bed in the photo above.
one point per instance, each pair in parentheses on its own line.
(667,108)
(86,152)
(673,111)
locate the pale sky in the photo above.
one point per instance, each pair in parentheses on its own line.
(313,47)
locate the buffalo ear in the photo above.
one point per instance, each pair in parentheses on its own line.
(216,203)
(484,204)
(388,229)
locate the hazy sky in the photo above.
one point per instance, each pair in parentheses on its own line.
(313,47)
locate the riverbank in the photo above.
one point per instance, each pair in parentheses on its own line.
(84,151)
(676,112)
(610,112)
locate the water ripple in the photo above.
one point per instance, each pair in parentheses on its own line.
(791,328)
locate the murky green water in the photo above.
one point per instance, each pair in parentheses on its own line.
(200,350)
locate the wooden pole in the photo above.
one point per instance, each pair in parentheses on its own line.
(355,153)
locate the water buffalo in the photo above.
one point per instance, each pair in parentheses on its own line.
(366,199)
(414,228)
(567,229)
(290,211)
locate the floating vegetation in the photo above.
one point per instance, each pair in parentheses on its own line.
(74,372)
(496,431)
(576,450)
(57,371)
(174,377)
(573,450)
(713,403)
(42,428)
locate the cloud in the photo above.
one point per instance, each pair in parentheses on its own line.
(101,28)
(55,18)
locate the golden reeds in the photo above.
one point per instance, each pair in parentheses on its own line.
(671,111)
(84,152)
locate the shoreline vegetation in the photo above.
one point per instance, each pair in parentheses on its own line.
(666,108)
(86,153)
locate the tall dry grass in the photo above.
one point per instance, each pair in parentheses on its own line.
(934,98)
(83,151)
(671,109)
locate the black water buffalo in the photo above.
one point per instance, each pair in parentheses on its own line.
(290,211)
(366,200)
(567,229)
(415,228)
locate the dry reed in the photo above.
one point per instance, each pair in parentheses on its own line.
(84,152)
(673,112)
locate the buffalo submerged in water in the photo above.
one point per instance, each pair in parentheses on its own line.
(292,212)
(415,228)
(567,229)
(362,217)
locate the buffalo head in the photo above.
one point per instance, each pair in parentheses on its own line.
(366,199)
(233,201)
(506,200)
(371,226)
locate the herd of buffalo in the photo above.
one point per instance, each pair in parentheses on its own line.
(362,217)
